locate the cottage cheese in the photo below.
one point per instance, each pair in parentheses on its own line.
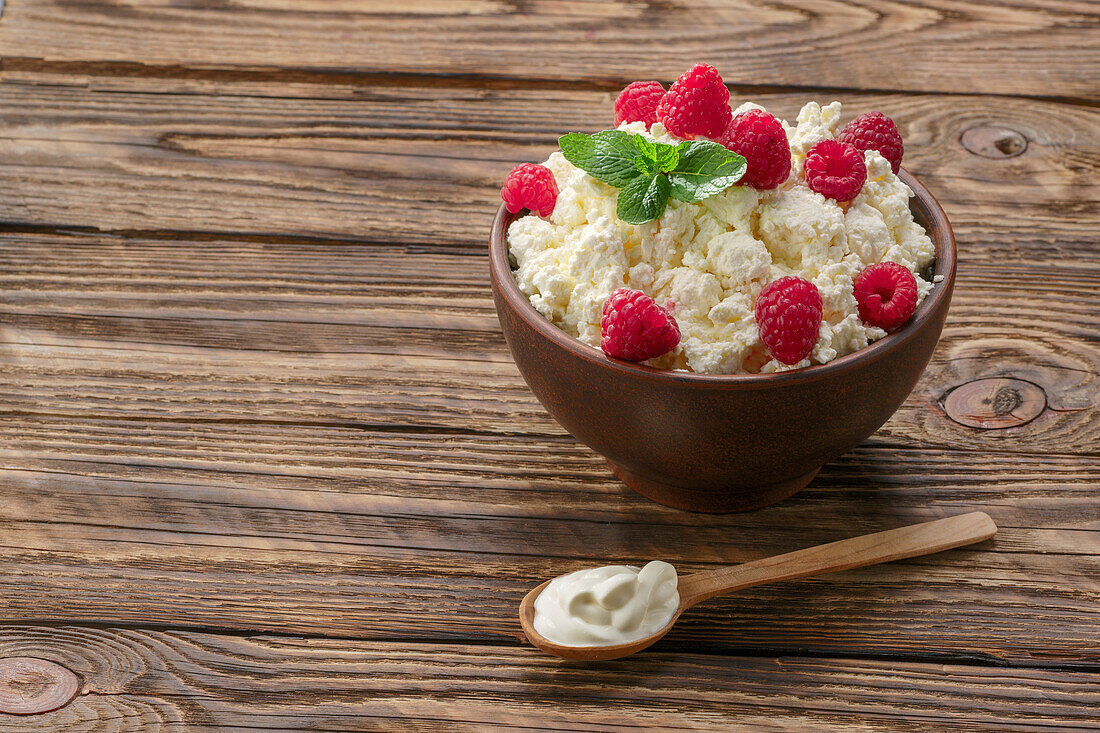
(711,259)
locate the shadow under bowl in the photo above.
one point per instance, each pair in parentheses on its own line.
(721,443)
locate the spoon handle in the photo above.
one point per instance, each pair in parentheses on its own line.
(868,549)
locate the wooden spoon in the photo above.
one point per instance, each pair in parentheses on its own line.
(869,549)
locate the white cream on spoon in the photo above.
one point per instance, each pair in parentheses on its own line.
(615,604)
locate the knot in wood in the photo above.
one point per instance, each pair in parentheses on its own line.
(29,686)
(995,403)
(1005,401)
(992,141)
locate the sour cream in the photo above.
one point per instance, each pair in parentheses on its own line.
(615,604)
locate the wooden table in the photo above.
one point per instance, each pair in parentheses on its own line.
(267,464)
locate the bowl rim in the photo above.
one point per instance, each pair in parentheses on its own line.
(939,229)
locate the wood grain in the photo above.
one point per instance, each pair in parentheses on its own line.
(159,681)
(81,546)
(265,462)
(423,166)
(1039,49)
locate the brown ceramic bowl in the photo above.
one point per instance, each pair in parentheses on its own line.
(719,443)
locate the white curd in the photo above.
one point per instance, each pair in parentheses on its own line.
(615,604)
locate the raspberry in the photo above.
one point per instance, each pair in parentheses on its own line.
(835,170)
(788,315)
(635,328)
(530,186)
(875,131)
(638,102)
(886,293)
(698,103)
(760,138)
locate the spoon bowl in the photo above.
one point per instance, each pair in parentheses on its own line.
(585,653)
(870,549)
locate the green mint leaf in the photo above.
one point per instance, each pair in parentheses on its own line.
(664,157)
(703,170)
(643,200)
(667,157)
(607,155)
(645,146)
(647,166)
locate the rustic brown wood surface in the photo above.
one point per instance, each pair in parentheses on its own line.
(265,462)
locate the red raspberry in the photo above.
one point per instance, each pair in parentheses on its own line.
(788,315)
(698,103)
(875,131)
(635,328)
(638,102)
(886,293)
(835,170)
(530,186)
(760,138)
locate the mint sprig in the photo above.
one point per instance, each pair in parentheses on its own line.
(648,173)
(608,155)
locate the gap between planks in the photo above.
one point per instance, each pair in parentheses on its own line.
(968,659)
(422,80)
(455,431)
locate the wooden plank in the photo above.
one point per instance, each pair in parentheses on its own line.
(529,478)
(169,680)
(422,166)
(141,543)
(1032,48)
(350,337)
